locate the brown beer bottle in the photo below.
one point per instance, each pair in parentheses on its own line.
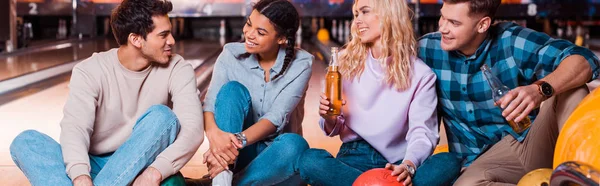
(333,85)
(499,90)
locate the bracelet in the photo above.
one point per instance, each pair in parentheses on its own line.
(242,138)
(410,169)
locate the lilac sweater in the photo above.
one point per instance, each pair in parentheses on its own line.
(401,125)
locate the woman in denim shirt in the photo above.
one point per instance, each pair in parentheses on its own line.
(255,96)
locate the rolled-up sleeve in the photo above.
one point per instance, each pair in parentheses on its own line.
(289,97)
(542,54)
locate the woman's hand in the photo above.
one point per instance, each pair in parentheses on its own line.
(223,146)
(324,107)
(401,171)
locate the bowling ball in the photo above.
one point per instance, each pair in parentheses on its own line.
(538,177)
(440,149)
(377,177)
(175,180)
(323,35)
(578,140)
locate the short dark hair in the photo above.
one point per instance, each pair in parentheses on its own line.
(135,16)
(286,20)
(480,7)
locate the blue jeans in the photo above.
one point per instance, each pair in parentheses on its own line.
(319,167)
(259,163)
(41,160)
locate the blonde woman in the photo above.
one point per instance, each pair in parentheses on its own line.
(389,117)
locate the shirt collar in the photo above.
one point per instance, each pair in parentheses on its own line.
(253,61)
(485,45)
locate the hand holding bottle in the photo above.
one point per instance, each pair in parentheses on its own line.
(499,94)
(519,102)
(324,108)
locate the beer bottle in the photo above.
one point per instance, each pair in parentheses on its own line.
(498,91)
(333,85)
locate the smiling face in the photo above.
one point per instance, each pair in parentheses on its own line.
(158,43)
(260,34)
(368,26)
(459,28)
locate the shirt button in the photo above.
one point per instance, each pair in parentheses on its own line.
(470,111)
(258,115)
(262,85)
(260,100)
(466,63)
(464,89)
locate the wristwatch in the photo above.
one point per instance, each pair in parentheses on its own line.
(545,88)
(410,169)
(242,138)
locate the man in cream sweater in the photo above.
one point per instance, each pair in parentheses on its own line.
(133,113)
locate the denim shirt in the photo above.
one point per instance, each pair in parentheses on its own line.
(281,101)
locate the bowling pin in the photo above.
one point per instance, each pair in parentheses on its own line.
(299,37)
(222,33)
(334,29)
(340,32)
(346,31)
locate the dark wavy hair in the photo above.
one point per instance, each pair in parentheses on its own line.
(284,17)
(135,16)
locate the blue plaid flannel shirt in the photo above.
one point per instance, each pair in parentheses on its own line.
(518,56)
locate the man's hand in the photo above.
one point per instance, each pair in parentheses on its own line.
(519,102)
(213,164)
(150,176)
(83,180)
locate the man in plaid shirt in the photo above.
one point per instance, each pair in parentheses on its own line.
(536,67)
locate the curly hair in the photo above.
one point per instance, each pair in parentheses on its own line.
(135,16)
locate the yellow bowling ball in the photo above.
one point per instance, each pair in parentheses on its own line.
(440,149)
(579,139)
(323,35)
(536,177)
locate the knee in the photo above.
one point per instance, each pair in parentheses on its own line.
(474,176)
(311,161)
(445,167)
(233,89)
(161,116)
(294,144)
(471,179)
(447,159)
(25,140)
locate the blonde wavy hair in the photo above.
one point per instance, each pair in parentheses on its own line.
(398,42)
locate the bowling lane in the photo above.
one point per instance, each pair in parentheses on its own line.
(17,65)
